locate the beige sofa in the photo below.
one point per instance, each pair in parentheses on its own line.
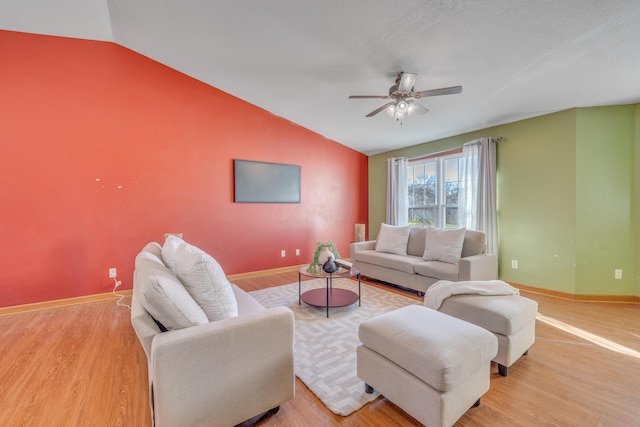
(415,270)
(202,372)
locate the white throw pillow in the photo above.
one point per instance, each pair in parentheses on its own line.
(205,280)
(164,297)
(444,244)
(393,239)
(154,248)
(148,255)
(169,249)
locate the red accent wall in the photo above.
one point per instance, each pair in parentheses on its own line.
(104,150)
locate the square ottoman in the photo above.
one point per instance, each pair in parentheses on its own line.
(433,366)
(511,318)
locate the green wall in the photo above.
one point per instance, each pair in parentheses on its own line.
(604,199)
(566,198)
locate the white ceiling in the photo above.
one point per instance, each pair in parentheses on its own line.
(301,59)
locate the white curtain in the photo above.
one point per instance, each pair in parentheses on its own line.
(397,191)
(477,203)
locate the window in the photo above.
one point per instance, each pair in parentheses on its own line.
(433,191)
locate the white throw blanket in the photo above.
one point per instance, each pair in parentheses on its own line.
(443,289)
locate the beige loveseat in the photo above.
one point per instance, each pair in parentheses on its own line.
(424,256)
(203,372)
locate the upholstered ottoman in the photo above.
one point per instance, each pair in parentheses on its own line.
(433,366)
(511,318)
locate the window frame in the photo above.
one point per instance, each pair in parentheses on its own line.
(440,206)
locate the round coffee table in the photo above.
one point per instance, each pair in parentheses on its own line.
(330,296)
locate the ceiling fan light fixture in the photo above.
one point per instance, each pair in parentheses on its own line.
(391,110)
(398,110)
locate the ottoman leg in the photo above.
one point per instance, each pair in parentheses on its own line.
(475,405)
(367,388)
(503,370)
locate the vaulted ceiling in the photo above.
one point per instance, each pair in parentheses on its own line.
(301,59)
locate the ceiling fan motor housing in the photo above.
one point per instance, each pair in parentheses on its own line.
(404,85)
(395,92)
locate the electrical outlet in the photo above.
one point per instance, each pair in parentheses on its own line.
(297,252)
(112,273)
(282,253)
(618,274)
(514,263)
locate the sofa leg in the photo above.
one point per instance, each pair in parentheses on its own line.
(503,370)
(367,388)
(475,405)
(526,352)
(420,294)
(273,411)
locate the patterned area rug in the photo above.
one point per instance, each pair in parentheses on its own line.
(325,349)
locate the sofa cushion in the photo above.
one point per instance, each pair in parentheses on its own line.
(475,243)
(164,297)
(393,239)
(246,303)
(205,280)
(169,249)
(438,270)
(395,262)
(444,244)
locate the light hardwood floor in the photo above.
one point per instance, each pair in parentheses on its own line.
(83,366)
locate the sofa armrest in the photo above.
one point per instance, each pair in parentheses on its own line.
(361,246)
(478,267)
(224,372)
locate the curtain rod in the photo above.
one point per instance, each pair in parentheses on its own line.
(437,153)
(493,139)
(449,150)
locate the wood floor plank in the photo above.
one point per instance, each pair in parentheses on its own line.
(82,365)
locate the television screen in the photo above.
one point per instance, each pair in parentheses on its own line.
(262,182)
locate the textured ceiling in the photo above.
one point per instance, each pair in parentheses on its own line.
(301,59)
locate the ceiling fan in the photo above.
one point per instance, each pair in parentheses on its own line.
(403,96)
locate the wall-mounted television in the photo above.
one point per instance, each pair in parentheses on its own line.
(263,182)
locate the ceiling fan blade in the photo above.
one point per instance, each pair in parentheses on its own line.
(406,82)
(437,92)
(368,96)
(377,110)
(417,107)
